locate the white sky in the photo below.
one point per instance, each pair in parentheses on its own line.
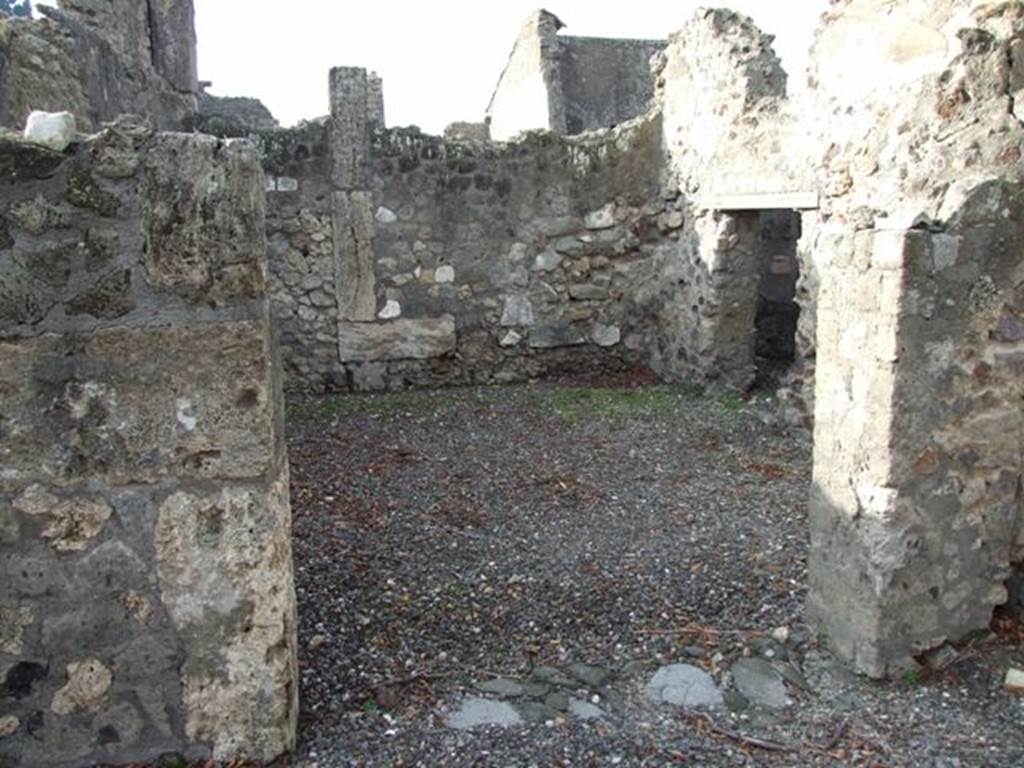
(439,60)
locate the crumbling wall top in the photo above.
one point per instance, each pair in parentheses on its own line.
(100,59)
(569,84)
(730,130)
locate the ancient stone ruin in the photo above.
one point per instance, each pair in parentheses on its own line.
(668,206)
(570,85)
(147,570)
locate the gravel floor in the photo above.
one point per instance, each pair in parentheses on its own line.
(454,539)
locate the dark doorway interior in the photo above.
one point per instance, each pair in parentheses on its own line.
(777,311)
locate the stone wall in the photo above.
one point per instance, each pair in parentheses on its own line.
(375,100)
(231,116)
(528,92)
(99,59)
(604,82)
(723,159)
(907,175)
(916,517)
(463,131)
(916,510)
(570,85)
(427,261)
(146,599)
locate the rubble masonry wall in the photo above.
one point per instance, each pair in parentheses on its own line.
(916,518)
(433,262)
(99,59)
(570,85)
(146,598)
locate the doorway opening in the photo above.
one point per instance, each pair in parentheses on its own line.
(777,311)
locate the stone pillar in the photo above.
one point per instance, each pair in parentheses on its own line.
(352,207)
(375,100)
(350,138)
(146,595)
(915,513)
(355,280)
(351,202)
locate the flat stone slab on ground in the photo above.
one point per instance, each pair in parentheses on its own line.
(595,677)
(685,686)
(477,712)
(537,713)
(553,676)
(557,700)
(760,683)
(584,710)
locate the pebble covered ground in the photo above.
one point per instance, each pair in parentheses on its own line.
(529,545)
(593,573)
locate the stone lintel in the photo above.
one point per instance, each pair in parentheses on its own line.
(762,201)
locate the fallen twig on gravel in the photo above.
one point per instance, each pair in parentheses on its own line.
(838,735)
(693,631)
(739,738)
(395,682)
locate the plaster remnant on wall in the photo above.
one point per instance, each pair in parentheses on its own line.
(75,523)
(186,413)
(221,559)
(87,685)
(13,623)
(72,523)
(139,606)
(36,500)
